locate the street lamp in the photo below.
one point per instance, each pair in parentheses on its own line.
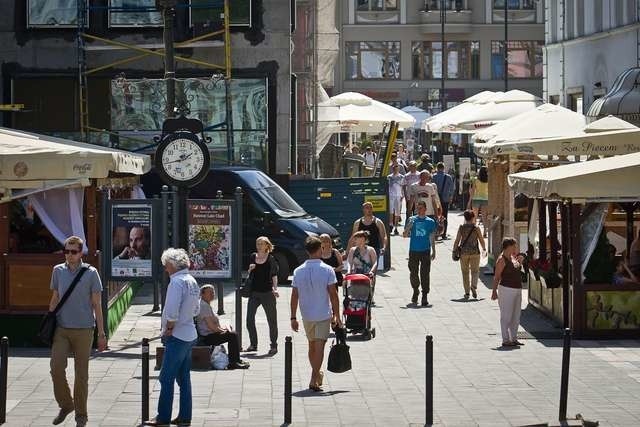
(506,46)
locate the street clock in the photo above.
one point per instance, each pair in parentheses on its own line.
(182,159)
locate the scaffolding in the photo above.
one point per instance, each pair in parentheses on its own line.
(165,51)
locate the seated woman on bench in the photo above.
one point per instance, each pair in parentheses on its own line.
(210,332)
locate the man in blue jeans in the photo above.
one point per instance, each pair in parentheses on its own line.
(422,250)
(179,335)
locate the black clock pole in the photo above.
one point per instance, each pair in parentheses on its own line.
(180,210)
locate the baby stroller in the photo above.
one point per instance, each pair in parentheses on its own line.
(357,305)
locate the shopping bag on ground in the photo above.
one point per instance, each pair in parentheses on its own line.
(219,358)
(339,358)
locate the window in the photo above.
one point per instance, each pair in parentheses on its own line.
(141,13)
(515,4)
(525,59)
(373,60)
(43,13)
(462,60)
(377,5)
(448,4)
(206,13)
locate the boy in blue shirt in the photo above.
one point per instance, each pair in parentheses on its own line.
(422,250)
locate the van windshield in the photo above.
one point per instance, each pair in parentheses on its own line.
(274,196)
(281,203)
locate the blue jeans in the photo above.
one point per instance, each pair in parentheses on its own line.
(176,367)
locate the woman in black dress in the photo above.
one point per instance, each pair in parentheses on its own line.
(264,291)
(332,257)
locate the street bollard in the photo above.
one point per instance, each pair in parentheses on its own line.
(4,360)
(220,292)
(564,380)
(145,379)
(239,316)
(288,358)
(428,401)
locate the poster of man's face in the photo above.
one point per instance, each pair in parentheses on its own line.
(137,244)
(131,241)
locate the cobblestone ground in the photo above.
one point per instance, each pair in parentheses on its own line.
(475,382)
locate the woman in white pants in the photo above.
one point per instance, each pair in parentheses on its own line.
(509,295)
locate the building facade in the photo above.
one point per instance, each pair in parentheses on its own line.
(40,67)
(588,44)
(391,50)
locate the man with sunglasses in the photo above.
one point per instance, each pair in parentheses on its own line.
(74,333)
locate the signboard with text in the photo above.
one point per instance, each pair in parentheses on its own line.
(132,251)
(209,226)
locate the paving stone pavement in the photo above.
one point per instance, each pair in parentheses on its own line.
(475,382)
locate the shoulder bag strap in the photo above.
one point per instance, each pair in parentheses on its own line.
(71,288)
(468,235)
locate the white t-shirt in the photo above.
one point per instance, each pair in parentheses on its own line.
(205,311)
(428,193)
(312,279)
(369,158)
(395,185)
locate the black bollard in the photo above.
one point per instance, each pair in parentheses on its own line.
(428,401)
(220,291)
(145,379)
(564,380)
(4,360)
(288,359)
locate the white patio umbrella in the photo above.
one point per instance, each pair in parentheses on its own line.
(441,122)
(545,121)
(356,112)
(500,108)
(607,136)
(417,113)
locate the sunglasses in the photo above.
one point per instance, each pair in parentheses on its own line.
(71,251)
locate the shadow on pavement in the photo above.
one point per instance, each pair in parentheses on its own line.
(311,393)
(467,299)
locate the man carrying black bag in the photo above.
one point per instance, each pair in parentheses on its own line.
(314,287)
(80,312)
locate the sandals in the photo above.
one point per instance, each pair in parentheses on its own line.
(320,378)
(315,387)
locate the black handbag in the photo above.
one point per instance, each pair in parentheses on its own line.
(49,322)
(339,358)
(245,289)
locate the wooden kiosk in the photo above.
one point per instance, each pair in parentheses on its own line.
(34,164)
(584,193)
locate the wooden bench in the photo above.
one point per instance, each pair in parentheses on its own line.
(200,357)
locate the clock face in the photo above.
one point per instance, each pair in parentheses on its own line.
(182,159)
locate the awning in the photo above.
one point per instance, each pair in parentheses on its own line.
(32,157)
(545,121)
(622,101)
(593,140)
(612,178)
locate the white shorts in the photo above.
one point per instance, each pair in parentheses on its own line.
(396,204)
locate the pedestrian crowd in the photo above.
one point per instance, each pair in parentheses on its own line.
(188,318)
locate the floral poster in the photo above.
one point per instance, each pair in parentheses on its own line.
(209,225)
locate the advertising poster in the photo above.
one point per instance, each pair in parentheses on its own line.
(209,225)
(464,170)
(131,240)
(449,162)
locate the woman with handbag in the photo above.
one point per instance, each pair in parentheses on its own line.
(465,249)
(264,291)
